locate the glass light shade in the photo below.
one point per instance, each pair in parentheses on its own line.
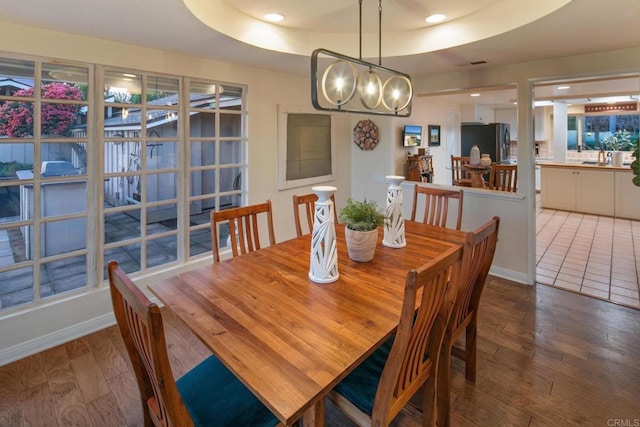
(335,78)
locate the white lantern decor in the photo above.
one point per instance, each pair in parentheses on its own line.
(323,266)
(394,222)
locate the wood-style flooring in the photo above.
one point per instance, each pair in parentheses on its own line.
(547,357)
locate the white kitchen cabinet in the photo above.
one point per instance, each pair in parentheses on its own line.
(627,196)
(510,116)
(540,124)
(595,192)
(477,114)
(578,190)
(558,189)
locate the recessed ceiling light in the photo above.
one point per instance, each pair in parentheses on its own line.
(274,17)
(129,75)
(563,87)
(436,17)
(475,94)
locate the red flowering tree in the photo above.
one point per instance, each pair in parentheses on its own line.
(16,118)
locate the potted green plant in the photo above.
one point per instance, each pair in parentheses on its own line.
(361,220)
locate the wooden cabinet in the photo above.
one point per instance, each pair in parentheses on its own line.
(420,168)
(477,114)
(627,196)
(595,191)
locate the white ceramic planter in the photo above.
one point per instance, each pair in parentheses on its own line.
(361,244)
(617,157)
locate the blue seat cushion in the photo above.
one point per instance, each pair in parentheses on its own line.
(360,386)
(215,397)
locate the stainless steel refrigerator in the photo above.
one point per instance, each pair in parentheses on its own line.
(492,139)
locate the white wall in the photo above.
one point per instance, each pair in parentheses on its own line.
(525,75)
(59,320)
(359,173)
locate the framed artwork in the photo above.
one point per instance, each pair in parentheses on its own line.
(434,135)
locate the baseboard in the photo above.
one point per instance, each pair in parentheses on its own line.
(62,336)
(511,275)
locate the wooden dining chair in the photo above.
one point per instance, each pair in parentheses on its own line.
(243,228)
(479,248)
(458,174)
(436,205)
(503,177)
(209,394)
(376,391)
(309,203)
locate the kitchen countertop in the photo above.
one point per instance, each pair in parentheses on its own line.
(625,168)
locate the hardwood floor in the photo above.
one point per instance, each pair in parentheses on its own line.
(547,357)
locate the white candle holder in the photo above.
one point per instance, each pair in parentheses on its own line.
(394,222)
(323,266)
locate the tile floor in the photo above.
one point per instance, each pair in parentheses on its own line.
(589,254)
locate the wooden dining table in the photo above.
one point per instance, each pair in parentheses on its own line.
(288,339)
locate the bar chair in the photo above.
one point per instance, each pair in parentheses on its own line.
(503,177)
(309,202)
(479,249)
(458,174)
(243,228)
(209,394)
(376,391)
(436,205)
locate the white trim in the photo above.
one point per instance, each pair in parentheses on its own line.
(511,275)
(53,339)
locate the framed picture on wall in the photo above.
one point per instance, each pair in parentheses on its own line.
(434,135)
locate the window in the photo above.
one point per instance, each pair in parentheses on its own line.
(134,180)
(44,126)
(589,132)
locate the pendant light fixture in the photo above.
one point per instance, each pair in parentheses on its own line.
(355,86)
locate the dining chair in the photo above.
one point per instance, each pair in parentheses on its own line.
(436,205)
(503,177)
(458,174)
(479,248)
(243,228)
(209,394)
(375,391)
(309,203)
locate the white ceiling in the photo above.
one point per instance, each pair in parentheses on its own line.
(579,27)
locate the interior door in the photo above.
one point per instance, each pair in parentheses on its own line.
(452,142)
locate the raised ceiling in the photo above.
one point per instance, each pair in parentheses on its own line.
(579,27)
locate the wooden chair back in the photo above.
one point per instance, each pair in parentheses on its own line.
(415,351)
(479,249)
(140,324)
(243,228)
(503,177)
(436,205)
(458,173)
(309,203)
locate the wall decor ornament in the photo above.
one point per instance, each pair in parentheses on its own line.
(323,265)
(365,135)
(394,236)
